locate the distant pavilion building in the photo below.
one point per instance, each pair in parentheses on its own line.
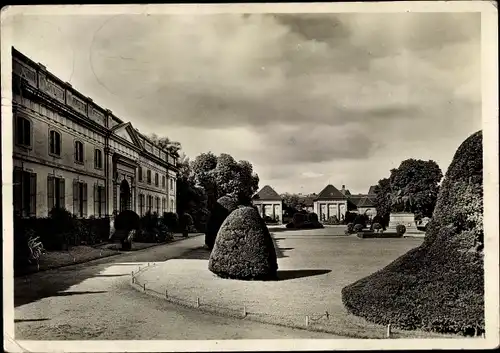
(330,202)
(269,203)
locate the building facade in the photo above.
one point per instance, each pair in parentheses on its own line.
(330,202)
(70,153)
(269,204)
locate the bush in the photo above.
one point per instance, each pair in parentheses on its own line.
(400,229)
(171,221)
(350,217)
(127,220)
(333,221)
(305,221)
(438,286)
(244,248)
(361,219)
(377,227)
(378,219)
(358,228)
(270,220)
(290,225)
(223,207)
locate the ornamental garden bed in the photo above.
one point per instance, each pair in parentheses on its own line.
(370,234)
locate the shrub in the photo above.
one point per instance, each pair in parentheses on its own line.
(171,221)
(350,217)
(127,220)
(333,220)
(290,225)
(361,219)
(358,228)
(223,207)
(270,220)
(438,286)
(400,229)
(244,248)
(377,227)
(378,219)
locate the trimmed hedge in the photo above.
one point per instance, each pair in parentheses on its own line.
(305,221)
(244,248)
(438,286)
(223,207)
(62,230)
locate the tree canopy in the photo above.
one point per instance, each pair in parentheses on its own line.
(412,187)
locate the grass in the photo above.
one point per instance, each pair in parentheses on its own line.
(84,253)
(313,269)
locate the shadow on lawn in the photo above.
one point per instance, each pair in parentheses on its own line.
(284,275)
(29,320)
(52,283)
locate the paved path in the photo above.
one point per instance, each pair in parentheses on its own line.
(95,301)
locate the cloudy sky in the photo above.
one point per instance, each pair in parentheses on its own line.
(309,99)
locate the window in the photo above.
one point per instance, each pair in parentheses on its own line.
(156,179)
(98,159)
(79,198)
(99,200)
(148,174)
(54,143)
(56,197)
(171,184)
(23,131)
(172,205)
(163,181)
(141,204)
(163,205)
(24,193)
(150,203)
(139,171)
(78,152)
(157,205)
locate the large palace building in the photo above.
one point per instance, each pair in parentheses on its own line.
(71,153)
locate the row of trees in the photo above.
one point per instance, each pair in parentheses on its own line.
(202,181)
(412,187)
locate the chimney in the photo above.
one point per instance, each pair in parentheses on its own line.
(343,187)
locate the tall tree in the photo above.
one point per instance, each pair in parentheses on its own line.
(164,142)
(412,187)
(223,176)
(382,199)
(416,184)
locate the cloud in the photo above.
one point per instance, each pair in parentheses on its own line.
(302,93)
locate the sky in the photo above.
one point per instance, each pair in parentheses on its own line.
(308,99)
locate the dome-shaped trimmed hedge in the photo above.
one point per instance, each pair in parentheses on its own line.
(438,286)
(244,248)
(223,207)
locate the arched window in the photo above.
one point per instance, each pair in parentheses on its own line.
(55,143)
(78,152)
(98,159)
(23,131)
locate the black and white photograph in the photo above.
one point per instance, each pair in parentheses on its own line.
(309,176)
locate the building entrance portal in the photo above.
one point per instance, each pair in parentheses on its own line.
(125,196)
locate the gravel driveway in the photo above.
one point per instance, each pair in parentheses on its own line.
(95,301)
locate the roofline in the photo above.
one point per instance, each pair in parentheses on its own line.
(40,67)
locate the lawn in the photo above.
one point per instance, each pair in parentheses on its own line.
(313,269)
